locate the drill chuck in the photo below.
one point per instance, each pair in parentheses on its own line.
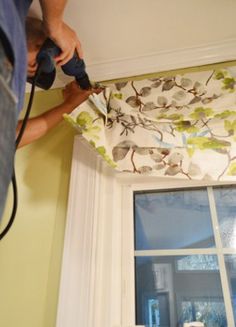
(76,67)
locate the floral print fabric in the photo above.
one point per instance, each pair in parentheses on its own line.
(182,126)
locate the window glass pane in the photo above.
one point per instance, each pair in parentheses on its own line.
(230,262)
(166,297)
(225,198)
(158,217)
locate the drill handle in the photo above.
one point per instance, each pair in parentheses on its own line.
(46,56)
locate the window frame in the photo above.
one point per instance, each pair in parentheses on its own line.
(97,285)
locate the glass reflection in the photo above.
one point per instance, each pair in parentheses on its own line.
(225,199)
(197,262)
(230,263)
(167,296)
(158,217)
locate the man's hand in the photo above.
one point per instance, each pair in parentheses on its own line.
(57,30)
(66,39)
(74,95)
(39,126)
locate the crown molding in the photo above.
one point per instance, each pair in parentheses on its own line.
(164,60)
(156,62)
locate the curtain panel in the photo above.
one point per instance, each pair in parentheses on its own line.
(182,126)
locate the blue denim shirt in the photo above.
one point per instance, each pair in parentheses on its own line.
(12,26)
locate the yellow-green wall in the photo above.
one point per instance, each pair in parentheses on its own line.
(30,255)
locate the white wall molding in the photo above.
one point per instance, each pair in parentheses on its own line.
(164,60)
(156,62)
(91,270)
(78,257)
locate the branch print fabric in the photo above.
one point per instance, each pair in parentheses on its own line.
(182,126)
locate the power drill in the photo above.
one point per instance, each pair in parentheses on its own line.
(47,71)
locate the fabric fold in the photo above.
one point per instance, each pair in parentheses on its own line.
(182,126)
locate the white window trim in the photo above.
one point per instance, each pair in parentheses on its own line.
(91,269)
(98,242)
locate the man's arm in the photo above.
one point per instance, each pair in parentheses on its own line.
(39,126)
(65,37)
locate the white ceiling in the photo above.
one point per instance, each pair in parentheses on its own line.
(121,37)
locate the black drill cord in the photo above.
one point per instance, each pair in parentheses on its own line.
(19,137)
(26,117)
(14,208)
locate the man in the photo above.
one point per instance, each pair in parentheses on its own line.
(13,63)
(73,95)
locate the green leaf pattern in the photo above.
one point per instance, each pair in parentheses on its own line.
(182,126)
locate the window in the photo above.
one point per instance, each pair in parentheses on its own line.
(104,245)
(184,267)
